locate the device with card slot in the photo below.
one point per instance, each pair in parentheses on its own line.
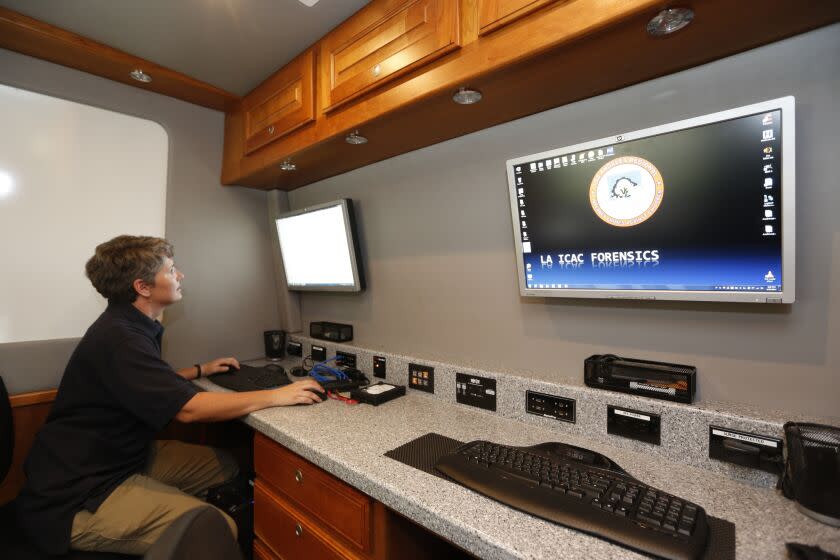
(660,380)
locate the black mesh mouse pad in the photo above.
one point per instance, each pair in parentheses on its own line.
(422,453)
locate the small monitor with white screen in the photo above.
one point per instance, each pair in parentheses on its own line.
(319,250)
(700,210)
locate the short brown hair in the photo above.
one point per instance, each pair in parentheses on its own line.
(117,263)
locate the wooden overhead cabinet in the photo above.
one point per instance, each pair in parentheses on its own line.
(378,45)
(493,14)
(281,104)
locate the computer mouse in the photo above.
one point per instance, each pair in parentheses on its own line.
(298,371)
(321,394)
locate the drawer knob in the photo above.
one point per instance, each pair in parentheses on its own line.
(298,530)
(271,129)
(298,475)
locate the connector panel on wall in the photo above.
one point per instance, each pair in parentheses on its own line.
(345,359)
(746,449)
(634,424)
(550,406)
(379,367)
(421,377)
(319,353)
(475,391)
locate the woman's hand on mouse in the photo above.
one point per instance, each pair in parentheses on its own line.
(306,391)
(219,365)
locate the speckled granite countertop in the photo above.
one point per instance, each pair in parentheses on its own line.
(349,442)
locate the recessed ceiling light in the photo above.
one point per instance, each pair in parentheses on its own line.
(669,21)
(355,138)
(140,76)
(309,3)
(466,96)
(287,165)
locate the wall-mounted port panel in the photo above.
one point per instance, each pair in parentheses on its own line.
(634,424)
(345,359)
(379,367)
(475,391)
(550,406)
(746,449)
(294,348)
(319,353)
(421,377)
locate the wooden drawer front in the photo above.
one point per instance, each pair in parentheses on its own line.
(282,104)
(361,55)
(343,509)
(287,532)
(262,552)
(493,14)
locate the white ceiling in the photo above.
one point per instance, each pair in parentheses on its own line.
(231,44)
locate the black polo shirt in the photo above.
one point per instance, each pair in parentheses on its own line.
(116,394)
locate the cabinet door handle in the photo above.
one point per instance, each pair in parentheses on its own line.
(298,475)
(298,530)
(271,129)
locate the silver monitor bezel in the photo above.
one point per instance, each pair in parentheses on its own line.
(788,195)
(349,226)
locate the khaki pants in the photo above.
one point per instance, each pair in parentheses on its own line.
(132,518)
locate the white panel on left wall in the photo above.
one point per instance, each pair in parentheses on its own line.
(71,177)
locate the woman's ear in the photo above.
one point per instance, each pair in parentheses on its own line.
(141,287)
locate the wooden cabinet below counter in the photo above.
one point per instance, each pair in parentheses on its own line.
(303,512)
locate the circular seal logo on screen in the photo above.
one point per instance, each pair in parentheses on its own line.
(626,191)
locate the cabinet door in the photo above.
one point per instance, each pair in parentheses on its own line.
(281,104)
(382,42)
(493,14)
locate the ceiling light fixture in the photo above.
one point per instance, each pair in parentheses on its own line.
(287,165)
(669,21)
(466,96)
(355,138)
(308,3)
(140,76)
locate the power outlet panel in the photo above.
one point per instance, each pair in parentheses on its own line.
(550,406)
(379,367)
(345,359)
(421,377)
(748,450)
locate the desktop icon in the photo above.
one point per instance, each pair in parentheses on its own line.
(521,191)
(769,276)
(768,182)
(519,180)
(518,169)
(521,202)
(540,166)
(524,224)
(768,229)
(533,167)
(591,155)
(526,247)
(768,168)
(522,213)
(767,135)
(548,164)
(565,160)
(767,120)
(557,162)
(600,154)
(768,150)
(524,236)
(768,199)
(768,213)
(610,151)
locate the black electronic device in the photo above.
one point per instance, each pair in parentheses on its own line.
(377,393)
(249,378)
(812,470)
(583,490)
(336,332)
(275,342)
(660,380)
(331,382)
(748,450)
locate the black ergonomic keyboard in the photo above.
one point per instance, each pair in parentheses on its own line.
(583,490)
(249,378)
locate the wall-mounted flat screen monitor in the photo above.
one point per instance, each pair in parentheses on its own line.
(319,249)
(701,210)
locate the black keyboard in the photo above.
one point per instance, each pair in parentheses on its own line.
(583,490)
(249,378)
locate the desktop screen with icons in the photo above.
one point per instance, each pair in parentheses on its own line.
(701,209)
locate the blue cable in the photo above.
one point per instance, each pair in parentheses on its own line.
(322,367)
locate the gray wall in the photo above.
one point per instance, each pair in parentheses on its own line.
(438,247)
(221,235)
